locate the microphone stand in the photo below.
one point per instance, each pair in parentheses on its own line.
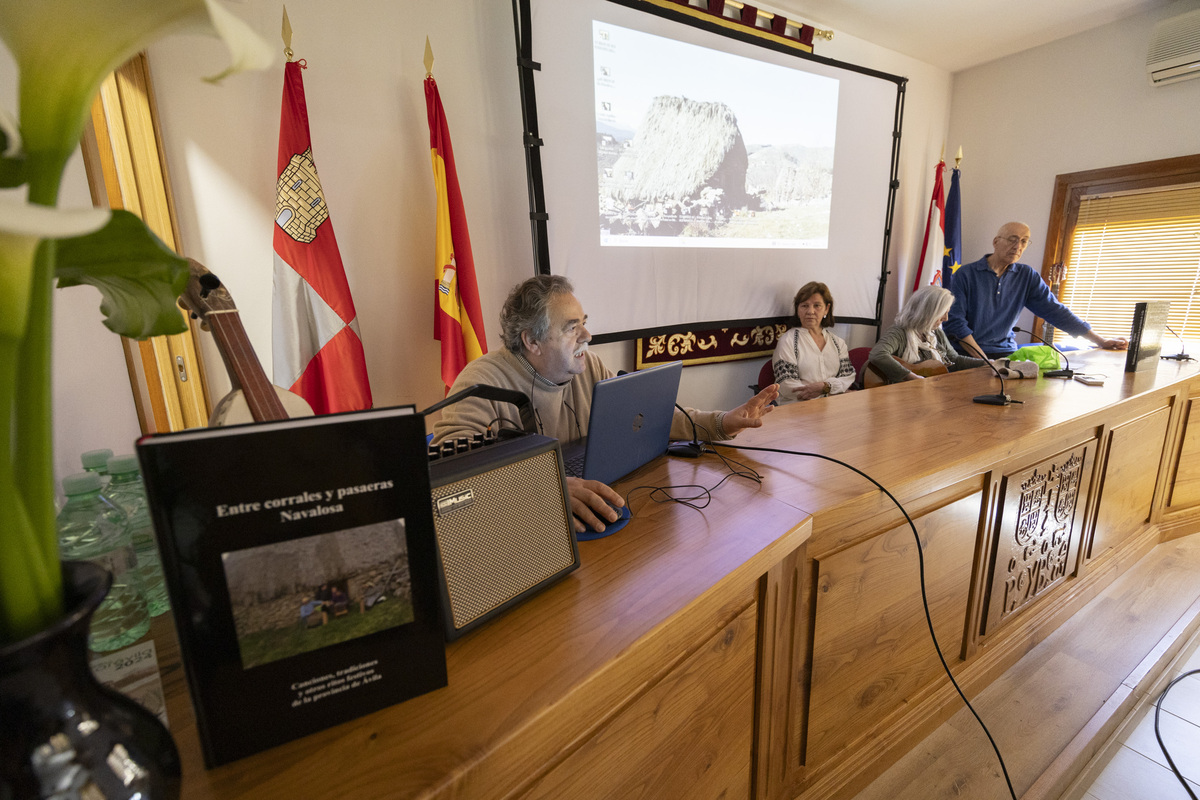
(1001,399)
(1180,356)
(1053,373)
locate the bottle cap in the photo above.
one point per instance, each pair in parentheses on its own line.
(81,483)
(96,459)
(119,465)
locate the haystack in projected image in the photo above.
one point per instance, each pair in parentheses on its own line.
(683,171)
(687,171)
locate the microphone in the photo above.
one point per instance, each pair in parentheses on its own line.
(1180,356)
(1001,399)
(692,449)
(1052,373)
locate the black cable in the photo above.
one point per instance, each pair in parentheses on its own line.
(1158,734)
(924,597)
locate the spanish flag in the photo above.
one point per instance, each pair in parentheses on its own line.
(317,352)
(457,319)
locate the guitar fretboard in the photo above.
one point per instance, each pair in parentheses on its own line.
(264,404)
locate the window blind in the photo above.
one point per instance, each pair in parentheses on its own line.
(1129,247)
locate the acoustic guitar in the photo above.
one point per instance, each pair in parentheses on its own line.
(254,398)
(872,377)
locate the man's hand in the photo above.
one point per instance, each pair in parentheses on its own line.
(750,413)
(1107,344)
(590,504)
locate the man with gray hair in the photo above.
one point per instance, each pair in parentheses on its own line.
(546,357)
(992,292)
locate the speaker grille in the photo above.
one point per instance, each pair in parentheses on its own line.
(513,535)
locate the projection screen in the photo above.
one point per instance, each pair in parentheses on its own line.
(695,179)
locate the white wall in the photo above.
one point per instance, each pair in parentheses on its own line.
(1077,104)
(370,136)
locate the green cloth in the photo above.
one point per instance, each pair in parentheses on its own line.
(1040,354)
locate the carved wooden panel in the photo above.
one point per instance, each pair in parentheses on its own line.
(1135,451)
(1038,532)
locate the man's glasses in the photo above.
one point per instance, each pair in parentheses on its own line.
(1022,240)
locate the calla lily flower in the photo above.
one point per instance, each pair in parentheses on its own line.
(65,48)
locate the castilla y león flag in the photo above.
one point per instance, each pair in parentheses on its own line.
(457,319)
(317,352)
(929,268)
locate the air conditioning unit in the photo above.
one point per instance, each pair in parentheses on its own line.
(1175,49)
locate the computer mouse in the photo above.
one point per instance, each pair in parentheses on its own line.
(609,527)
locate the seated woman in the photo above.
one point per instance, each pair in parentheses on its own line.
(917,336)
(810,360)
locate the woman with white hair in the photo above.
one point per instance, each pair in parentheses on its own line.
(917,337)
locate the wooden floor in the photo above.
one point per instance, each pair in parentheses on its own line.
(1119,652)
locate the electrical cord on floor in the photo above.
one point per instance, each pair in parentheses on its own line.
(924,597)
(1158,735)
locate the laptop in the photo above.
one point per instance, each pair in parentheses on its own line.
(630,424)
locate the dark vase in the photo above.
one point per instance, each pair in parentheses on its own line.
(63,734)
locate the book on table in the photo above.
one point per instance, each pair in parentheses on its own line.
(1146,335)
(301,564)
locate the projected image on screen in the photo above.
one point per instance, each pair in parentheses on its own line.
(700,148)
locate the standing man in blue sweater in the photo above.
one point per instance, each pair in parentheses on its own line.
(991,293)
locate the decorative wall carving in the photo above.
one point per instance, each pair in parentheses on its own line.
(1038,532)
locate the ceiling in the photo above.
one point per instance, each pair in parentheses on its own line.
(957,34)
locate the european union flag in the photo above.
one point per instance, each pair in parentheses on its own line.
(952,259)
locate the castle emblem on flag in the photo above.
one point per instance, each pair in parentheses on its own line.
(447,276)
(300,204)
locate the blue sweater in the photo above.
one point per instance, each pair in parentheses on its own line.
(987,307)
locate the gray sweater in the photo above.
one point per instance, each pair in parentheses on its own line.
(894,342)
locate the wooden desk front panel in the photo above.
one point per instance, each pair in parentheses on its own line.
(694,730)
(1132,466)
(1185,491)
(871,649)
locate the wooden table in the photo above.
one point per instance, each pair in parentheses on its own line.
(701,652)
(635,672)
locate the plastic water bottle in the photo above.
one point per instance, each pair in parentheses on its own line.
(92,529)
(97,461)
(126,492)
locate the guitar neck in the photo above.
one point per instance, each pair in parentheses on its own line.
(235,347)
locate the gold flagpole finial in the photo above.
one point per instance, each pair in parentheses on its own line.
(942,157)
(958,158)
(287,35)
(428,59)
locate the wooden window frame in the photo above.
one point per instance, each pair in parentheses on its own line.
(1070,189)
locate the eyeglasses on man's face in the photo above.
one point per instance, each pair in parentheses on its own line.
(1021,240)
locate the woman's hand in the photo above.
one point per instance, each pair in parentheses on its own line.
(810,390)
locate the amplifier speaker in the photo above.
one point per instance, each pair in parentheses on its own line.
(503,522)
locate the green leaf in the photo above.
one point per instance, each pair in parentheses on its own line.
(139,276)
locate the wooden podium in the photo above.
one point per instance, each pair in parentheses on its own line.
(773,644)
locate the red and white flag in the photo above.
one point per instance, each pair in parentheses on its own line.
(317,352)
(929,268)
(457,318)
